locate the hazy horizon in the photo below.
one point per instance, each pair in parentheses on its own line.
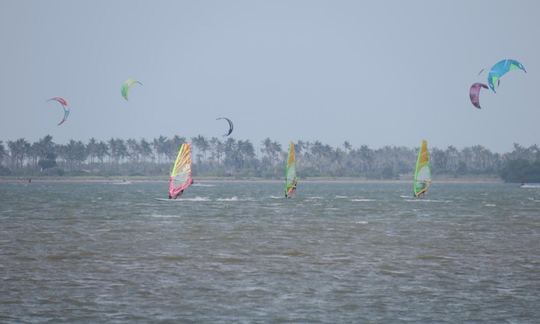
(375,73)
(258,145)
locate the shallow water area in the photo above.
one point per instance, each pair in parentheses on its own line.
(240,252)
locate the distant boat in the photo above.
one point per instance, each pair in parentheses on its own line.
(180,178)
(422,172)
(530,185)
(290,173)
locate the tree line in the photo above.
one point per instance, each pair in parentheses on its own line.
(240,158)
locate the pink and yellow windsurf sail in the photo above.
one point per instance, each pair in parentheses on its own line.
(180,178)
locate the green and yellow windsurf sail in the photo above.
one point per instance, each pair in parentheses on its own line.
(422,173)
(290,173)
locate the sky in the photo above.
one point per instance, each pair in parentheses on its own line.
(370,72)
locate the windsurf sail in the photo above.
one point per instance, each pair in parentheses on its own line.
(422,173)
(290,173)
(180,178)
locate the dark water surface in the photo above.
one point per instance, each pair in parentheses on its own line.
(360,253)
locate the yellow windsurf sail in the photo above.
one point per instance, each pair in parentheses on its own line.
(290,173)
(422,172)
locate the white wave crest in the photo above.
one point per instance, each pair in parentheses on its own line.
(228,199)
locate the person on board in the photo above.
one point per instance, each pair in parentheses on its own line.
(177,195)
(291,191)
(423,191)
(181,191)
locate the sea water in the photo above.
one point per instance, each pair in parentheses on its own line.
(240,252)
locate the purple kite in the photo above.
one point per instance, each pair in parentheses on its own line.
(474,93)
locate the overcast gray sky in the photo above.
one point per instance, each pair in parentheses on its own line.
(371,72)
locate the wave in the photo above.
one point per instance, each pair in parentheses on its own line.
(202,185)
(228,199)
(363,199)
(427,200)
(164,216)
(198,198)
(122,183)
(434,257)
(530,186)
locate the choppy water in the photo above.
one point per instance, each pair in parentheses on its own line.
(360,253)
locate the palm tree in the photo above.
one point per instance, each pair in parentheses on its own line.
(133,150)
(230,152)
(271,150)
(267,147)
(439,160)
(45,146)
(145,150)
(246,153)
(118,150)
(45,149)
(347,146)
(160,147)
(452,155)
(201,144)
(102,150)
(92,149)
(33,154)
(75,153)
(19,150)
(113,149)
(2,152)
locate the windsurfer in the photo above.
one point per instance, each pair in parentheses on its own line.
(181,191)
(423,190)
(177,195)
(292,190)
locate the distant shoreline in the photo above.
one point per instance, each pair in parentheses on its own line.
(149,179)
